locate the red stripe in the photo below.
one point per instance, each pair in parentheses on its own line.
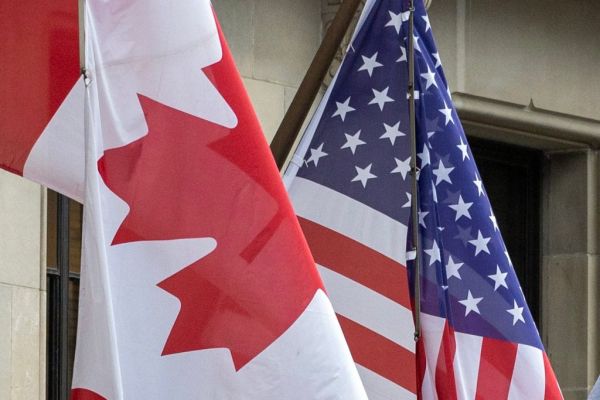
(380,354)
(357,262)
(495,368)
(552,391)
(84,394)
(445,385)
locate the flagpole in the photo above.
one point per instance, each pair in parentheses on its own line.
(414,171)
(296,114)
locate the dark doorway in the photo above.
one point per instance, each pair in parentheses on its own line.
(512,178)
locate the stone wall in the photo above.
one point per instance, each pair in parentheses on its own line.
(22,289)
(520,50)
(273,43)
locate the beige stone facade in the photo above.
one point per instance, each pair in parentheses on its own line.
(512,51)
(22,289)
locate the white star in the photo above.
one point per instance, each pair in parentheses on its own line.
(516,312)
(433,253)
(422,215)
(442,173)
(363,175)
(447,113)
(481,243)
(416,43)
(452,268)
(470,303)
(438,61)
(461,208)
(369,64)
(381,97)
(408,202)
(427,24)
(402,167)
(343,109)
(397,19)
(316,154)
(402,55)
(352,141)
(392,132)
(494,221)
(449,93)
(463,149)
(430,78)
(499,278)
(424,156)
(479,185)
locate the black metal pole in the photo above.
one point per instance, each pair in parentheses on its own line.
(414,171)
(63,269)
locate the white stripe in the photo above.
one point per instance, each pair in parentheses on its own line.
(529,377)
(370,309)
(380,388)
(350,218)
(432,330)
(428,391)
(466,364)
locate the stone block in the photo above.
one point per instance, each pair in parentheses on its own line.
(565,305)
(575,394)
(236,18)
(566,216)
(268,101)
(25,382)
(20,237)
(5,341)
(287,34)
(525,50)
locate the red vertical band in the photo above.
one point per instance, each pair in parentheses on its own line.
(445,385)
(495,368)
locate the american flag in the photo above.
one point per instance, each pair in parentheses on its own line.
(350,184)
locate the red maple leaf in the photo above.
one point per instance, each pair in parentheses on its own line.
(190,178)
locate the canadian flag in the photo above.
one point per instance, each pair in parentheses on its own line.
(197,282)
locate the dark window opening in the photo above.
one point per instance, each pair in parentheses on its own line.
(63,268)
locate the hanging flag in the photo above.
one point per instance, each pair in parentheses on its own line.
(196,280)
(350,183)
